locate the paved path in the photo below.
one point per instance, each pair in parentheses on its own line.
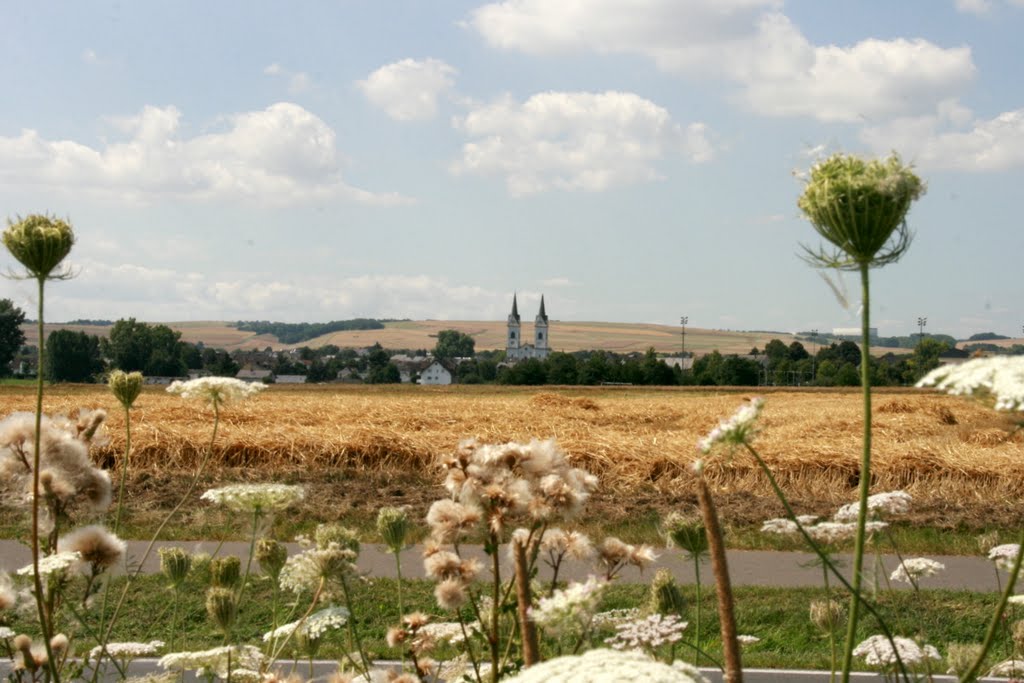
(746,567)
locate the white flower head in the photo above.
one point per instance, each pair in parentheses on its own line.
(216,391)
(1005,555)
(1011,668)
(214,661)
(1000,378)
(914,568)
(314,627)
(780,526)
(747,640)
(887,504)
(607,665)
(128,651)
(737,430)
(879,651)
(570,609)
(52,564)
(256,497)
(648,633)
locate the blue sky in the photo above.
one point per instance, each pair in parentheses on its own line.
(632,160)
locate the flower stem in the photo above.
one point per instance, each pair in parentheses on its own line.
(865,474)
(696,621)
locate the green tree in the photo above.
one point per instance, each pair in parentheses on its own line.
(154,350)
(454,344)
(11,336)
(73,357)
(925,358)
(562,368)
(655,370)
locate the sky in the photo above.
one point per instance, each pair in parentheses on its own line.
(632,160)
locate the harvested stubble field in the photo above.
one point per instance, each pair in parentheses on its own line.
(363,447)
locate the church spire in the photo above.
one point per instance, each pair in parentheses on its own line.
(515,308)
(542,315)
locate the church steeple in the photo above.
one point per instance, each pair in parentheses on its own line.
(542,315)
(515,308)
(513,341)
(540,330)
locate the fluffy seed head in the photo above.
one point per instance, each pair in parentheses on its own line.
(96,545)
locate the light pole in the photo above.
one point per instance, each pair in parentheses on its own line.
(682,343)
(921,322)
(814,355)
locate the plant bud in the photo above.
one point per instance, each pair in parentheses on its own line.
(666,597)
(225,572)
(39,243)
(125,386)
(271,556)
(1018,635)
(960,656)
(393,527)
(826,615)
(220,606)
(686,533)
(335,533)
(175,564)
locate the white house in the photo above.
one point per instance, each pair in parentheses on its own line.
(435,373)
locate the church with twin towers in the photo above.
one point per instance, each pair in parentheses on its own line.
(515,349)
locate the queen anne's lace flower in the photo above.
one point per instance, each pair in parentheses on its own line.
(1005,555)
(1000,377)
(888,504)
(648,632)
(1011,668)
(256,497)
(52,564)
(315,625)
(6,633)
(914,568)
(879,651)
(736,430)
(571,608)
(126,651)
(217,391)
(214,661)
(607,665)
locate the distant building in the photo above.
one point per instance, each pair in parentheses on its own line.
(254,375)
(515,349)
(436,373)
(289,379)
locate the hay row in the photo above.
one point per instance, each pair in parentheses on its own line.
(934,446)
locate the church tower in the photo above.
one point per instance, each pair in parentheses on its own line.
(513,341)
(540,333)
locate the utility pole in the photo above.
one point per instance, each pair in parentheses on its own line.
(814,354)
(921,322)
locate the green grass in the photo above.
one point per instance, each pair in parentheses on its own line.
(779,617)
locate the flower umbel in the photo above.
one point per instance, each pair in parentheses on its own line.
(1000,378)
(40,243)
(216,391)
(735,431)
(255,497)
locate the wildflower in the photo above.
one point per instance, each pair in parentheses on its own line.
(306,571)
(831,532)
(327,535)
(615,554)
(127,651)
(607,665)
(216,391)
(666,597)
(271,556)
(52,564)
(450,520)
(255,498)
(648,632)
(39,243)
(614,617)
(8,598)
(6,633)
(569,609)
(735,431)
(221,607)
(878,651)
(125,386)
(393,527)
(1004,555)
(446,632)
(914,568)
(826,614)
(214,661)
(96,546)
(860,207)
(780,526)
(747,640)
(451,594)
(314,627)
(687,533)
(1011,668)
(1000,378)
(175,564)
(890,503)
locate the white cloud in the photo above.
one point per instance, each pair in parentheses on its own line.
(557,282)
(298,81)
(776,69)
(952,139)
(408,90)
(105,289)
(283,154)
(973,6)
(574,141)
